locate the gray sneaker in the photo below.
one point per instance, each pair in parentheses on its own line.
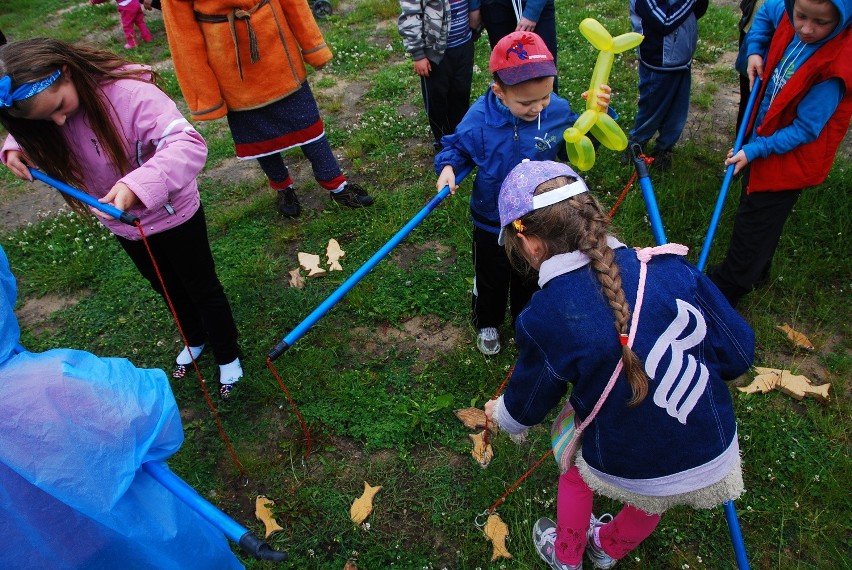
(544,539)
(599,558)
(488,341)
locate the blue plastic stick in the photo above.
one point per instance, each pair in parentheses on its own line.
(344,287)
(736,535)
(726,182)
(228,526)
(121,215)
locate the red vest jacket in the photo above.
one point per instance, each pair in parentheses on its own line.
(807,164)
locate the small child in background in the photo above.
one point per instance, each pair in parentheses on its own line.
(518,118)
(670,28)
(799,120)
(131,18)
(99,122)
(662,433)
(439,37)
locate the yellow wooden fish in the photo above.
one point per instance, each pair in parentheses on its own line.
(264,514)
(474,418)
(482,452)
(334,253)
(794,385)
(363,505)
(797,339)
(496,531)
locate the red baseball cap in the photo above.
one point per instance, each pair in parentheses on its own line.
(521,56)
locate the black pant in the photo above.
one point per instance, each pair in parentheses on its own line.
(499,20)
(758,224)
(496,282)
(189,273)
(446,92)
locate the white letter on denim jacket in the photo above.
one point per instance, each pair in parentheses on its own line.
(681,371)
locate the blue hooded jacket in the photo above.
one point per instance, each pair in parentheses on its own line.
(75,430)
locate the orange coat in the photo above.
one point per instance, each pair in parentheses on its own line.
(235,55)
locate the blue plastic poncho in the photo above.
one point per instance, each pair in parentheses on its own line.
(74,431)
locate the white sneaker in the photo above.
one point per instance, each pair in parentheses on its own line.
(544,539)
(599,558)
(488,341)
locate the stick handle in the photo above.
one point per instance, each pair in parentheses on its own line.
(120,215)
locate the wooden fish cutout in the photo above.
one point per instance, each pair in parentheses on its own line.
(350,565)
(296,279)
(474,418)
(334,253)
(496,531)
(311,263)
(797,339)
(482,452)
(363,505)
(794,385)
(264,514)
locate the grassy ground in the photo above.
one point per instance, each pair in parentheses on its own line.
(377,379)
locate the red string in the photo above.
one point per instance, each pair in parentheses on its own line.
(305,430)
(494,397)
(648,160)
(194,363)
(493,507)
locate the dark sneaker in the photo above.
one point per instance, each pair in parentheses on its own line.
(225,390)
(352,196)
(662,160)
(599,558)
(288,203)
(544,539)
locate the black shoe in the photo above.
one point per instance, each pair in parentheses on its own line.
(352,196)
(288,203)
(662,160)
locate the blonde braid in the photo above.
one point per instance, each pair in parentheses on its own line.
(593,242)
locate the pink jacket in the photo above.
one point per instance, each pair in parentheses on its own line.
(165,148)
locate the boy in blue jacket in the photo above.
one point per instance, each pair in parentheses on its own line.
(670,28)
(519,118)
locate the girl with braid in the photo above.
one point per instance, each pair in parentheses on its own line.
(645,341)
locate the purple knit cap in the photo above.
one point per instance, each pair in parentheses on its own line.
(516,193)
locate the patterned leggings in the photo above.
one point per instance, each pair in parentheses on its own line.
(573,509)
(324,164)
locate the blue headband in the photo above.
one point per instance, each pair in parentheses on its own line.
(25,91)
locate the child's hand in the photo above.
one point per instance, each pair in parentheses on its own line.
(489,410)
(604,97)
(754,69)
(740,160)
(447,178)
(15,162)
(525,25)
(422,67)
(475,19)
(120,196)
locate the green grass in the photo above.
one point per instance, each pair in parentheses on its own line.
(379,398)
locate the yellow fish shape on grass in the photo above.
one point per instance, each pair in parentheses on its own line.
(496,531)
(797,339)
(482,451)
(264,514)
(363,505)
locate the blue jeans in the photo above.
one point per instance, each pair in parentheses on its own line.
(663,106)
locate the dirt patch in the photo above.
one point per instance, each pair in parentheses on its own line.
(428,337)
(406,255)
(35,313)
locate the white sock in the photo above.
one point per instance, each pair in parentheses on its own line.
(230,373)
(339,188)
(183,358)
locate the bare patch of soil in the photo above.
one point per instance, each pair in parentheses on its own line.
(429,337)
(406,255)
(36,312)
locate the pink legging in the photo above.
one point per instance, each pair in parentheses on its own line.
(573,510)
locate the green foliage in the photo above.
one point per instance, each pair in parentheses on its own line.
(377,378)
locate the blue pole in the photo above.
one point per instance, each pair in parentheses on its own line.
(649,196)
(726,182)
(121,215)
(228,526)
(736,534)
(347,285)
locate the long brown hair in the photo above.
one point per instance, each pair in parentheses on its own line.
(88,68)
(580,224)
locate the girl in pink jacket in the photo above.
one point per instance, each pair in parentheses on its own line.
(131,15)
(99,122)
